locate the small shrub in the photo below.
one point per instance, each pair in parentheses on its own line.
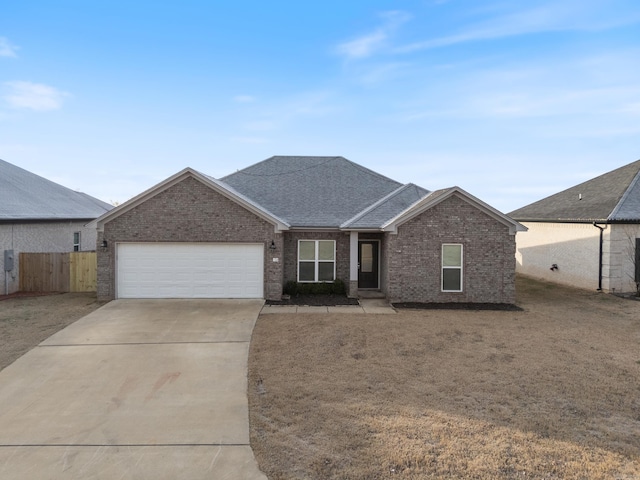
(336,287)
(323,288)
(339,288)
(290,288)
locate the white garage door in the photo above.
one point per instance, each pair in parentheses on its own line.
(189,270)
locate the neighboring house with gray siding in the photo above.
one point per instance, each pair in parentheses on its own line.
(37,215)
(587,236)
(305,219)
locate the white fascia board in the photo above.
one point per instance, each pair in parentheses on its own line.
(624,197)
(141,198)
(177,178)
(426,203)
(411,211)
(362,230)
(314,229)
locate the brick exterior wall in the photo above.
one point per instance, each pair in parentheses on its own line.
(291,252)
(412,257)
(189,212)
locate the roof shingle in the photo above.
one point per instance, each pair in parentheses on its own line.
(311,191)
(388,207)
(27,196)
(613,196)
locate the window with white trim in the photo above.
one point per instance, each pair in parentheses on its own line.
(76,241)
(451,267)
(316,260)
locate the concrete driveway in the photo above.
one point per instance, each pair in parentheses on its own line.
(138,389)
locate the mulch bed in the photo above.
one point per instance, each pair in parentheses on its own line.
(508,307)
(328,300)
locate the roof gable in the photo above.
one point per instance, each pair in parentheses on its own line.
(211,182)
(438,196)
(27,196)
(282,190)
(308,192)
(613,196)
(387,208)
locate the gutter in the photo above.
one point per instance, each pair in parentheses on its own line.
(602,229)
(608,221)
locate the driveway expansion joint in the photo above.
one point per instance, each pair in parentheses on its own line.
(138,343)
(160,392)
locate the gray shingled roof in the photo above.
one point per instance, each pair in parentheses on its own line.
(612,197)
(312,191)
(235,192)
(388,207)
(27,196)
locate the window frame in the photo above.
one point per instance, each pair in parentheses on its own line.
(450,267)
(77,244)
(316,261)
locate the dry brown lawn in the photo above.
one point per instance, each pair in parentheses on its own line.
(552,392)
(27,321)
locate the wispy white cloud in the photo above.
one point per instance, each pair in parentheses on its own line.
(569,15)
(367,45)
(632,108)
(285,111)
(589,87)
(265,122)
(383,72)
(33,96)
(363,46)
(7,49)
(244,98)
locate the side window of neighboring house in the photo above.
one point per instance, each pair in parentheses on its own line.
(76,241)
(451,267)
(316,260)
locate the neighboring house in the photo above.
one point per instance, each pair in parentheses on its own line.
(587,236)
(305,219)
(37,215)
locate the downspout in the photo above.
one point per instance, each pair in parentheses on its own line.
(602,229)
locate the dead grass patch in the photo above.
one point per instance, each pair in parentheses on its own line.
(25,321)
(550,392)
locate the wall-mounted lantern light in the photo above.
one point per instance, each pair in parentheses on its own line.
(273,245)
(105,244)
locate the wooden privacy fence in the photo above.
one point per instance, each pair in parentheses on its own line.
(58,272)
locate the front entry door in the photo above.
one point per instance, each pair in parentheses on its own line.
(368,264)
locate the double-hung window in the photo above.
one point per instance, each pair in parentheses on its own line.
(316,260)
(452,267)
(76,241)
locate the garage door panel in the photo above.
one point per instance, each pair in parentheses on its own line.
(177,270)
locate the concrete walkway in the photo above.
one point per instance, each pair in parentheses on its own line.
(139,389)
(367,306)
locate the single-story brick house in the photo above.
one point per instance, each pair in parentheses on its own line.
(305,219)
(40,216)
(586,236)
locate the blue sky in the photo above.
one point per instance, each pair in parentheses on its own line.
(510,100)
